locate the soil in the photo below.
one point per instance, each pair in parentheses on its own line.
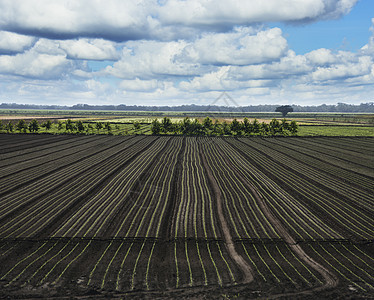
(98,263)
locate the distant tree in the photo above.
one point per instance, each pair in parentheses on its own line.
(9,127)
(89,127)
(236,127)
(247,126)
(47,125)
(34,125)
(60,125)
(217,128)
(69,126)
(284,109)
(208,124)
(21,126)
(196,128)
(108,126)
(284,124)
(136,125)
(1,125)
(256,126)
(166,124)
(177,128)
(80,126)
(155,127)
(186,126)
(264,128)
(293,128)
(99,126)
(226,128)
(274,126)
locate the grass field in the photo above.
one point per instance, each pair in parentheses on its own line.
(168,216)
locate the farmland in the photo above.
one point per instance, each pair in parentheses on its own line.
(174,216)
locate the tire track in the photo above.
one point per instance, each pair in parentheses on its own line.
(244,266)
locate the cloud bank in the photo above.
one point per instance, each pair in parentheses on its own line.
(171,52)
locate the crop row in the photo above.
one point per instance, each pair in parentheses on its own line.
(155,213)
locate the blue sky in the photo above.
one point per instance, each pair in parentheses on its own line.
(175,52)
(350,32)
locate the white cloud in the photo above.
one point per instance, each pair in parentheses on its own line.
(342,71)
(242,46)
(147,59)
(34,64)
(213,12)
(321,57)
(173,52)
(369,48)
(140,85)
(12,43)
(136,19)
(89,49)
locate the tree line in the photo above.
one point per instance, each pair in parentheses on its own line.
(185,127)
(238,128)
(339,107)
(68,126)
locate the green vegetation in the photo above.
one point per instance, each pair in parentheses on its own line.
(316,130)
(184,123)
(236,128)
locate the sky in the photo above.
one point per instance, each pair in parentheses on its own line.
(177,52)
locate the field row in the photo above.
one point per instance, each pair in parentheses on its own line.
(148,213)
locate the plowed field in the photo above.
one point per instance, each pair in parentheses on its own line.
(192,217)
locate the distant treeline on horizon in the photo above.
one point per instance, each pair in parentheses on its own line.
(340,107)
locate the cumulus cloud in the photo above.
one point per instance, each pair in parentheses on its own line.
(120,20)
(34,64)
(342,71)
(369,48)
(321,57)
(96,49)
(147,59)
(14,43)
(243,46)
(213,12)
(172,50)
(139,85)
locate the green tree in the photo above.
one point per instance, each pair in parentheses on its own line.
(256,126)
(108,126)
(275,127)
(247,126)
(136,125)
(80,126)
(69,126)
(217,129)
(236,127)
(1,125)
(186,126)
(293,128)
(285,125)
(284,109)
(9,127)
(60,125)
(264,130)
(196,128)
(226,128)
(34,125)
(155,127)
(21,126)
(208,124)
(99,126)
(47,125)
(166,124)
